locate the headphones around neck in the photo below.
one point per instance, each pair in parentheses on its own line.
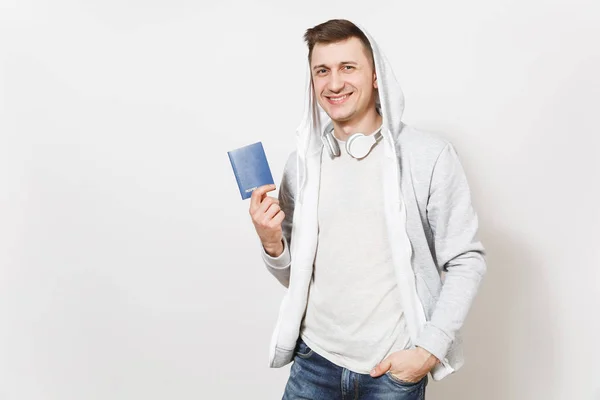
(358,145)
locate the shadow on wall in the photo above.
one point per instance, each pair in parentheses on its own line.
(506,357)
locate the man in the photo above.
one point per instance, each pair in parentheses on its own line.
(370,215)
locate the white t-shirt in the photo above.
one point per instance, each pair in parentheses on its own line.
(354,316)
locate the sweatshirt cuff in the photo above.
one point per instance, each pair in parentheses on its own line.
(281,261)
(435,341)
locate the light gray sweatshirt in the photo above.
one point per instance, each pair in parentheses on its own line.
(431,224)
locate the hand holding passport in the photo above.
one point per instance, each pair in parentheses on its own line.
(254,179)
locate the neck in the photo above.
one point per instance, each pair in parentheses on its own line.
(367,124)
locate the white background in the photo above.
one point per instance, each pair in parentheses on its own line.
(129,267)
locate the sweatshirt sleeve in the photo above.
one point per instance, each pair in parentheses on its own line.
(458,252)
(280,266)
(280,262)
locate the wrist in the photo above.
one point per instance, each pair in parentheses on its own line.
(428,356)
(274,249)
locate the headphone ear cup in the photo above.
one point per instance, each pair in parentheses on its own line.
(359,145)
(336,148)
(332,145)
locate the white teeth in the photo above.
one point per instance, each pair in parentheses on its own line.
(338,99)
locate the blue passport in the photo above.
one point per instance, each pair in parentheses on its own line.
(250,167)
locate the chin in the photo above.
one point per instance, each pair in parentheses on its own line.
(339,116)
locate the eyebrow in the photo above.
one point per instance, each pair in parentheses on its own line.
(342,63)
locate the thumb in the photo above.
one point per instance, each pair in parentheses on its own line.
(381,368)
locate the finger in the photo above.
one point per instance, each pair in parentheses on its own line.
(271,211)
(381,368)
(267,202)
(257,196)
(278,218)
(260,214)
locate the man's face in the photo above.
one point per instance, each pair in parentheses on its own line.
(343,80)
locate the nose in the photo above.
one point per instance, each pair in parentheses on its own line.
(336,83)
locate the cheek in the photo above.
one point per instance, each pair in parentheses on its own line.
(319,86)
(362,83)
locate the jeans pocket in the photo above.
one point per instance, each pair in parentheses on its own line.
(302,349)
(403,383)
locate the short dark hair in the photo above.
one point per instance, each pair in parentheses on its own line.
(333,31)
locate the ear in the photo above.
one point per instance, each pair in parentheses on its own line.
(375,80)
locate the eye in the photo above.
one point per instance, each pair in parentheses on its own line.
(348,67)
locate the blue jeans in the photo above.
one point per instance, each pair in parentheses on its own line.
(312,377)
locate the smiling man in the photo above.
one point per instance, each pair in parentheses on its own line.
(370,213)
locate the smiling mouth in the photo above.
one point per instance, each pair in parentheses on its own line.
(338,99)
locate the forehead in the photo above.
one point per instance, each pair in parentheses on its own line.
(350,49)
